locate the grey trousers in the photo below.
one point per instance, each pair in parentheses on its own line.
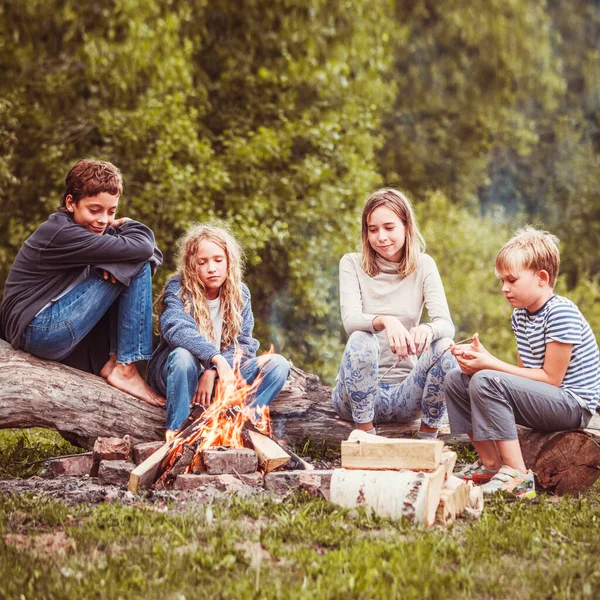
(490,404)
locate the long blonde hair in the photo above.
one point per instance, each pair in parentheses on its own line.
(414,243)
(194,291)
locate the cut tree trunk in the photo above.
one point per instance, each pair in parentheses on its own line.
(83,407)
(564,461)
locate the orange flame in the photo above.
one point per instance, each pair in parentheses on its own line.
(223,421)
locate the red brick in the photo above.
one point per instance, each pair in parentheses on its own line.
(218,461)
(225,483)
(75,466)
(110,449)
(115,472)
(142,451)
(283,482)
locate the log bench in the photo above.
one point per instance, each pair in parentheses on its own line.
(83,407)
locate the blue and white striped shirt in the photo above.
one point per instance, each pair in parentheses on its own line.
(559,320)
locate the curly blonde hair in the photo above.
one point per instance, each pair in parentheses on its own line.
(414,243)
(194,291)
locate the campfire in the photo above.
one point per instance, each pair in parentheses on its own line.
(227,437)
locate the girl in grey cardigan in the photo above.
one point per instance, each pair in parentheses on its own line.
(206,325)
(390,369)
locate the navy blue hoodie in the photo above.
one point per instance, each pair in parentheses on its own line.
(57,253)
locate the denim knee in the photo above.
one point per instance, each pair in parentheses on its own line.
(182,362)
(277,367)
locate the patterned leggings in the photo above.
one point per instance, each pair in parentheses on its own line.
(358,397)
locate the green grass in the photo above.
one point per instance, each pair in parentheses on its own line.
(21,449)
(301,548)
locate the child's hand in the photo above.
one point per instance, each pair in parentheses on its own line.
(206,384)
(422,336)
(400,339)
(225,372)
(473,357)
(118,222)
(107,275)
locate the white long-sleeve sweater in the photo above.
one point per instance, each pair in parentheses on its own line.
(362,298)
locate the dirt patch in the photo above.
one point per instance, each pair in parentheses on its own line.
(45,545)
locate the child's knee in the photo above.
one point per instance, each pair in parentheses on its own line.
(362,342)
(484,383)
(441,345)
(278,366)
(182,362)
(454,382)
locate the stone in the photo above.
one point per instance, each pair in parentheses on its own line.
(110,448)
(224,482)
(218,461)
(75,466)
(317,483)
(142,451)
(115,472)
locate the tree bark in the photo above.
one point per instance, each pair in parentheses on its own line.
(82,407)
(564,461)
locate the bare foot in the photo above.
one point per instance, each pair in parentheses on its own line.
(169,435)
(127,379)
(107,369)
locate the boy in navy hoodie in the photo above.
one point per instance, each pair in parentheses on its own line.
(78,265)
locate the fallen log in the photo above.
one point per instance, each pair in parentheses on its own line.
(83,407)
(564,462)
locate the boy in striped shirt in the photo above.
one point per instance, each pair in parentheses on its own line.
(555,385)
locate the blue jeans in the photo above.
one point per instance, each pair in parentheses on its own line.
(56,331)
(360,397)
(182,371)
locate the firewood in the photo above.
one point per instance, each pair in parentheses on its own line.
(366,453)
(270,454)
(146,473)
(453,500)
(183,461)
(449,461)
(414,495)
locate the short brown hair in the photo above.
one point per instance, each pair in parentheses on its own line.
(530,248)
(90,177)
(414,243)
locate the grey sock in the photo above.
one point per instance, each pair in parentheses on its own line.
(372,431)
(427,435)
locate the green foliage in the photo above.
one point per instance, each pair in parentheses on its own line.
(21,450)
(280,117)
(465,74)
(266,115)
(299,548)
(465,247)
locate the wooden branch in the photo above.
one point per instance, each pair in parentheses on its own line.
(80,406)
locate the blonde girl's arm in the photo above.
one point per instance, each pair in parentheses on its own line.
(353,317)
(436,304)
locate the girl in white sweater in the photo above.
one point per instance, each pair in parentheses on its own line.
(389,369)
